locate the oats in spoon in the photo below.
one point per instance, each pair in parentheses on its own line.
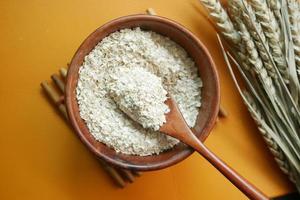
(140,95)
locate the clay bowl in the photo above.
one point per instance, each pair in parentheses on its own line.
(210,91)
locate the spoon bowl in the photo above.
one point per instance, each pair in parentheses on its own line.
(210,92)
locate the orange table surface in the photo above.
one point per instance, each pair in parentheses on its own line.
(40,156)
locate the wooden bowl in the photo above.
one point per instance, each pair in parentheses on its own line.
(210,91)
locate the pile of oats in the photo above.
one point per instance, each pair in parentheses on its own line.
(135,48)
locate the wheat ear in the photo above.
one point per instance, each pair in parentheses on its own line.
(278,154)
(237,10)
(256,61)
(294,13)
(272,32)
(222,20)
(275,6)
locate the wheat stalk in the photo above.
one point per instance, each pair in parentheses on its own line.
(255,60)
(258,67)
(288,59)
(222,20)
(265,58)
(272,32)
(270,137)
(278,154)
(237,11)
(285,121)
(277,125)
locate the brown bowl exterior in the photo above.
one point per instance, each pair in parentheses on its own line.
(210,91)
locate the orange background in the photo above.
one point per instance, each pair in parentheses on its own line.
(40,156)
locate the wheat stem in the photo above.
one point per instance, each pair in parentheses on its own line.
(278,154)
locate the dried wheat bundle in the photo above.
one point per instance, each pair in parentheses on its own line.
(263,40)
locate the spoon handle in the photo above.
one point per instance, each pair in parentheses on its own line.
(177,127)
(240,182)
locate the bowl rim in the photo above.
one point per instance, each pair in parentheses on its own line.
(186,151)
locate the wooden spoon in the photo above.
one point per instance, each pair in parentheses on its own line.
(176,127)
